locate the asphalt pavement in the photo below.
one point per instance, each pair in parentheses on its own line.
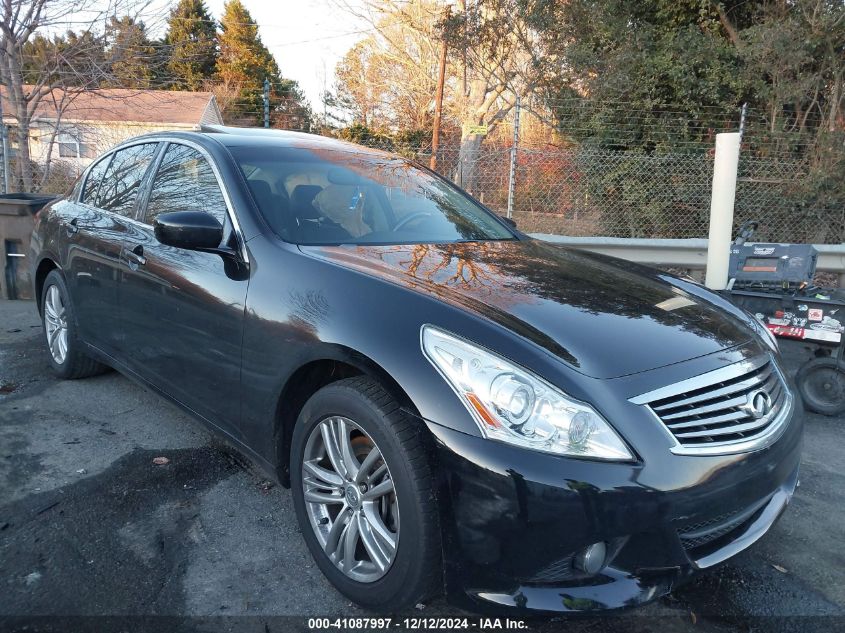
(91,527)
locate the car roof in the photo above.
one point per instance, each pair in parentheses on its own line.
(268,137)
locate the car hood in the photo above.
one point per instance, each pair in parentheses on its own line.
(604,317)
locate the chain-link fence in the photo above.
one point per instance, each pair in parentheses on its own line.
(580,190)
(588,192)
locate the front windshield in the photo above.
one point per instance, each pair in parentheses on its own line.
(321,196)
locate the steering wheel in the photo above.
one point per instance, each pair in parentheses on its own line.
(410,218)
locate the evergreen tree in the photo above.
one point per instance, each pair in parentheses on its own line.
(191,45)
(130,54)
(244,64)
(74,59)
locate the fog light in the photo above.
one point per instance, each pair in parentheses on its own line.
(591,559)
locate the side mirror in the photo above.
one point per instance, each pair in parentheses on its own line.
(191,230)
(509,221)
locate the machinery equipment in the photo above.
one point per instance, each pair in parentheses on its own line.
(775,283)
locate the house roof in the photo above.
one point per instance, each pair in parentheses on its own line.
(125,105)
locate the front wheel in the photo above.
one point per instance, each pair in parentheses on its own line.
(66,352)
(362,490)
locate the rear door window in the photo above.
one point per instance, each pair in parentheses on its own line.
(185,181)
(122,180)
(94,179)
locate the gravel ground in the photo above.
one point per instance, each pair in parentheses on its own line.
(90,527)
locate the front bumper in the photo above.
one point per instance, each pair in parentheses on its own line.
(514,519)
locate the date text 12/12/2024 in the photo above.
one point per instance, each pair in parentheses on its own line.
(417,624)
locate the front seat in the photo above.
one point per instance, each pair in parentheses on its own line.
(275,209)
(301,199)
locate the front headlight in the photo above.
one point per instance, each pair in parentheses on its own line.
(512,405)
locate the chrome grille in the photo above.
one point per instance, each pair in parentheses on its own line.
(736,408)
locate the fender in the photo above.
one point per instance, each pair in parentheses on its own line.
(37,265)
(313,368)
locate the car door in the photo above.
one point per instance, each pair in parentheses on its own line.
(184,310)
(95,234)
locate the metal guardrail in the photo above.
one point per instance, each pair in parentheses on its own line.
(690,254)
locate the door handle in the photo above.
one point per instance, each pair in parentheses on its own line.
(135,257)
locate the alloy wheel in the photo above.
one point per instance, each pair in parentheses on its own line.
(350,499)
(55,324)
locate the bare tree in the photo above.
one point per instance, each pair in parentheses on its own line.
(496,53)
(491,48)
(63,71)
(391,75)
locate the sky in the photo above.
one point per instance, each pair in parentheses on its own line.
(307,37)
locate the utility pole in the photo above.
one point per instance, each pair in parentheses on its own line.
(512,179)
(438,107)
(4,146)
(438,102)
(4,131)
(463,5)
(325,97)
(266,98)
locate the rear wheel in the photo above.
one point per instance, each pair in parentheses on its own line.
(821,383)
(363,495)
(65,350)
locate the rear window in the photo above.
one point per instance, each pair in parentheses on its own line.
(94,179)
(319,196)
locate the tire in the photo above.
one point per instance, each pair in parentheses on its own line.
(72,362)
(370,415)
(821,383)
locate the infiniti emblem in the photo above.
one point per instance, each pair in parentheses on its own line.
(353,497)
(757,404)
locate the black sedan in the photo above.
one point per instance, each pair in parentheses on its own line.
(456,406)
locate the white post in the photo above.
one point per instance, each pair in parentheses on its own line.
(722,209)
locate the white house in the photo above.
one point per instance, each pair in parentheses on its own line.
(71,128)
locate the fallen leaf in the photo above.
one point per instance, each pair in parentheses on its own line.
(780,569)
(81,471)
(160,461)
